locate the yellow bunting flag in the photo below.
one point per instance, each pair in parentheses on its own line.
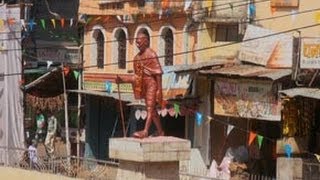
(1,23)
(318,157)
(317,16)
(252,136)
(53,23)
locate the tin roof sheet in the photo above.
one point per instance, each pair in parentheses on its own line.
(196,66)
(249,71)
(124,96)
(303,92)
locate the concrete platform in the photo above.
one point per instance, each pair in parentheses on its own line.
(153,149)
(149,158)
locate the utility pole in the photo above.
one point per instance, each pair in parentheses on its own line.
(66,115)
(22,16)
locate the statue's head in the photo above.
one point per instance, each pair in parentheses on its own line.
(142,41)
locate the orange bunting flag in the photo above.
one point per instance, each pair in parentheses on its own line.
(62,22)
(164,104)
(252,136)
(53,23)
(66,70)
(273,10)
(165,4)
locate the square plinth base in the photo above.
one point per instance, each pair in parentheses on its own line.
(148,171)
(152,149)
(289,168)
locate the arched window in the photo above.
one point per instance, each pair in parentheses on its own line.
(99,40)
(122,48)
(167,41)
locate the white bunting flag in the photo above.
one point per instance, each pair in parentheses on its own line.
(229,129)
(144,114)
(49,63)
(137,114)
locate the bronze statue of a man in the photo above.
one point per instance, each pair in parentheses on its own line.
(147,83)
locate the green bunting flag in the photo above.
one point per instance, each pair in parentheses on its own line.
(259,139)
(176,109)
(76,74)
(43,23)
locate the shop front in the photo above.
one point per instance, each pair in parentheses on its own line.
(245,107)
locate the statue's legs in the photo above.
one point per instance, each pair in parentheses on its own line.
(157,122)
(150,88)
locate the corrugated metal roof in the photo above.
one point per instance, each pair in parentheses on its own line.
(250,71)
(196,66)
(304,92)
(129,97)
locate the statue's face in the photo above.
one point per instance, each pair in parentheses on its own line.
(142,42)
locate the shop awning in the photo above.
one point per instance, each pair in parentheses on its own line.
(197,66)
(303,92)
(124,96)
(249,71)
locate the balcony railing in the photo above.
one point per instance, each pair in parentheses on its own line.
(120,7)
(227,11)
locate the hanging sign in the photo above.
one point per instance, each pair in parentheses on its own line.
(284,3)
(68,55)
(261,47)
(246,99)
(310,53)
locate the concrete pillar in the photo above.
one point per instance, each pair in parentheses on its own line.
(150,158)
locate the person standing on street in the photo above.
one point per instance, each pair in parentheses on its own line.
(51,133)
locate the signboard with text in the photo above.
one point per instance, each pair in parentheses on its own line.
(284,3)
(261,47)
(59,55)
(246,99)
(310,53)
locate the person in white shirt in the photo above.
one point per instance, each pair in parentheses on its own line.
(33,154)
(51,133)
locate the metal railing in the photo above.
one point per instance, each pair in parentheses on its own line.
(71,166)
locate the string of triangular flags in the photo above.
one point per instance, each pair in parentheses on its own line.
(176,110)
(44,23)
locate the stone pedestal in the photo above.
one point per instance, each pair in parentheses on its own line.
(289,168)
(150,158)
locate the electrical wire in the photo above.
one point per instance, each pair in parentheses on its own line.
(209,47)
(182,32)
